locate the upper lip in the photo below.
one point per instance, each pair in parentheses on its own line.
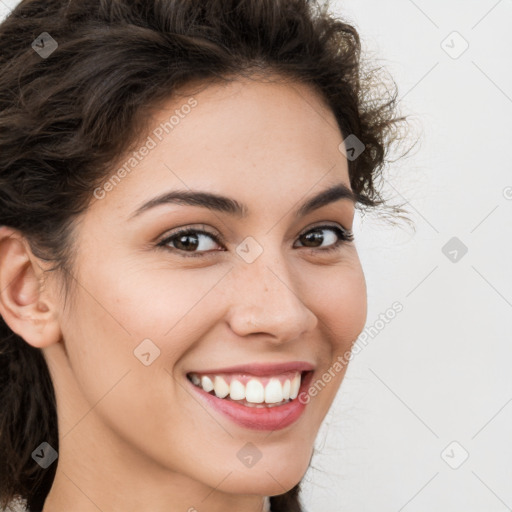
(263,369)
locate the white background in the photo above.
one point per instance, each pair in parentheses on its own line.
(440,371)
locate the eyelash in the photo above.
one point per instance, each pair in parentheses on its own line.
(344,236)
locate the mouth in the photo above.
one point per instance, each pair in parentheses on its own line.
(261,398)
(249,390)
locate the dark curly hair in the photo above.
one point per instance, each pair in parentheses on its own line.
(66,119)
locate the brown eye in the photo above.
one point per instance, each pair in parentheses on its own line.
(316,236)
(192,241)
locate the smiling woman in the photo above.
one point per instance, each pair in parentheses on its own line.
(160,331)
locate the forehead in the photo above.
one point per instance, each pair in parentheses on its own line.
(247,137)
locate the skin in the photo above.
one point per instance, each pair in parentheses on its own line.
(133,437)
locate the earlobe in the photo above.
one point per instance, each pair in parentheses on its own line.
(25,304)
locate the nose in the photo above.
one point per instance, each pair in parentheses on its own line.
(265,301)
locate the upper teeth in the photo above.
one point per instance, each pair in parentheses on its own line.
(253,389)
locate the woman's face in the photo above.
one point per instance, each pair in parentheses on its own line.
(246,290)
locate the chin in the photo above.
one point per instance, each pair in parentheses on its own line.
(273,474)
(262,483)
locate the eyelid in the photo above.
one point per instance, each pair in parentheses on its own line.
(345,236)
(326,224)
(219,239)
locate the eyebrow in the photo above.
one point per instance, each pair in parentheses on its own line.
(233,207)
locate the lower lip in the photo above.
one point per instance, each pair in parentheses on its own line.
(259,418)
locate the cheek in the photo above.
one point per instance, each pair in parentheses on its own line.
(169,305)
(120,309)
(108,331)
(339,299)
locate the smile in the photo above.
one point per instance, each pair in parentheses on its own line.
(251,401)
(252,391)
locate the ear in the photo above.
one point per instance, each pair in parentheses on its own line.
(25,303)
